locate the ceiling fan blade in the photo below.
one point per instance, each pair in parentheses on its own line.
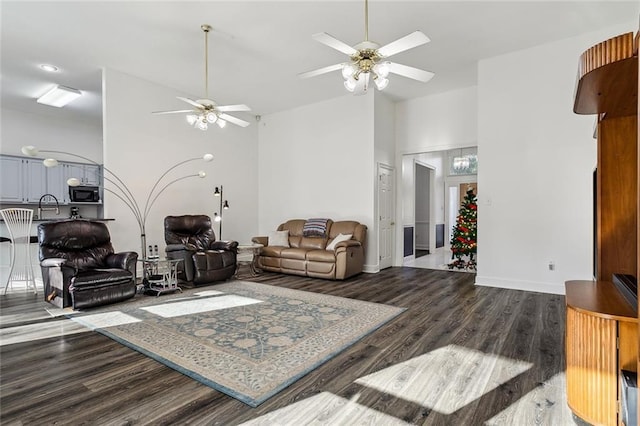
(240,107)
(320,71)
(410,72)
(172,112)
(234,120)
(415,39)
(334,43)
(189,101)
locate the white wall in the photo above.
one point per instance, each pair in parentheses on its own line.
(437,122)
(139,147)
(318,161)
(536,159)
(46,132)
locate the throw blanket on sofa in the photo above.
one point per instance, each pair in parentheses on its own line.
(315,227)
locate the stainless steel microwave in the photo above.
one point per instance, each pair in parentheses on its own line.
(84,194)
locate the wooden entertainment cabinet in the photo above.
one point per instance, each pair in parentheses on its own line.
(602,327)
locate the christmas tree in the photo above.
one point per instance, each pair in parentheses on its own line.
(464,239)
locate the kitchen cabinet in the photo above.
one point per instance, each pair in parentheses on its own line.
(11,179)
(35,178)
(23,180)
(87,174)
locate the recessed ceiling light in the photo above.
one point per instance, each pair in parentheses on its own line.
(49,68)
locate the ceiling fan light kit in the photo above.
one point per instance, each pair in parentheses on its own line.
(206,111)
(367,60)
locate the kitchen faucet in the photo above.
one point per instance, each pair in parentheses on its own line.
(47,197)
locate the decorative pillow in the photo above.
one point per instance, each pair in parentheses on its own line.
(338,239)
(315,227)
(279,238)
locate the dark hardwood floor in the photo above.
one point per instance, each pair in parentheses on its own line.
(87,378)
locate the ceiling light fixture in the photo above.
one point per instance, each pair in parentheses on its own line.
(59,96)
(206,111)
(49,67)
(367,60)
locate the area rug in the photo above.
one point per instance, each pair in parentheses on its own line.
(245,339)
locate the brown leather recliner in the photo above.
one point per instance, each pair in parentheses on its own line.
(205,260)
(79,266)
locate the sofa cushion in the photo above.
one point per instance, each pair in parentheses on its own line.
(338,239)
(271,251)
(321,256)
(279,238)
(313,243)
(315,227)
(294,253)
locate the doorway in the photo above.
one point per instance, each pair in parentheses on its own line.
(451,172)
(424,178)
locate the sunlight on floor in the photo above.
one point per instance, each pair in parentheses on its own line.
(537,407)
(445,379)
(193,306)
(104,320)
(326,409)
(31,332)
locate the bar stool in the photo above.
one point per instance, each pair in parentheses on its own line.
(18,222)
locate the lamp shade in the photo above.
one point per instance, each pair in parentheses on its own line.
(50,162)
(29,150)
(73,182)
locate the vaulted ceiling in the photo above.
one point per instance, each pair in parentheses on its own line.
(257,48)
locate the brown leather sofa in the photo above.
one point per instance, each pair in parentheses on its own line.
(79,266)
(308,255)
(205,260)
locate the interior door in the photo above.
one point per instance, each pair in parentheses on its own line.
(386,213)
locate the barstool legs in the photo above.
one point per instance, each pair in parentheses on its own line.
(24,272)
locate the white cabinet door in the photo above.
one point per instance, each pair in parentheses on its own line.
(74,170)
(57,184)
(35,180)
(92,175)
(11,180)
(87,174)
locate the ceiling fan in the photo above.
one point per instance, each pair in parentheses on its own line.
(206,111)
(367,60)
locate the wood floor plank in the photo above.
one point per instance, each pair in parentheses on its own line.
(88,378)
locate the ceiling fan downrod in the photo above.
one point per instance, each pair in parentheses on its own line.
(206,28)
(366,20)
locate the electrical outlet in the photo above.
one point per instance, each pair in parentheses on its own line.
(552,265)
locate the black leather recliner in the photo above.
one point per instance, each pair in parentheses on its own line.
(79,266)
(205,260)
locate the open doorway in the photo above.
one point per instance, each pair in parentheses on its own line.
(424,178)
(433,186)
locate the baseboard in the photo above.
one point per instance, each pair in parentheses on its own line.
(538,287)
(371,269)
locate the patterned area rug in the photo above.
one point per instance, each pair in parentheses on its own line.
(245,339)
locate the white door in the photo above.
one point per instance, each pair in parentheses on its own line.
(386,225)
